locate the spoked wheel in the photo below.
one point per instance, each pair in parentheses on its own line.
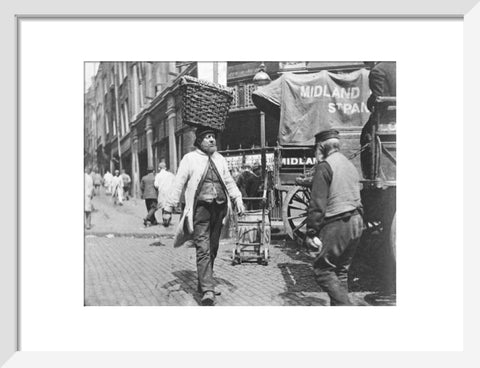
(294,212)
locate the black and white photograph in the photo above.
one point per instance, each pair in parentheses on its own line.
(240,183)
(247,163)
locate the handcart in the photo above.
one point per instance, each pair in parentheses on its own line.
(253,233)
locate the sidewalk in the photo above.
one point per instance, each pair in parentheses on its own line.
(126,220)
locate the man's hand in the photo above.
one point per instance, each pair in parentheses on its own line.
(240,207)
(312,244)
(167,218)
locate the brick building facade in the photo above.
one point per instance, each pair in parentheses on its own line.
(133,112)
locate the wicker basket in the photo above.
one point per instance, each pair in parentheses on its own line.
(204,103)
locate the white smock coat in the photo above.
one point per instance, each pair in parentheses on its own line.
(88,193)
(192,170)
(163,182)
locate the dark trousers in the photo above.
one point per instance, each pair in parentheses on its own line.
(126,191)
(340,241)
(207,225)
(151,204)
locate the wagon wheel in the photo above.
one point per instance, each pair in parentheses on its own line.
(294,211)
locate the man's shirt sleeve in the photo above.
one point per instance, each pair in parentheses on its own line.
(322,180)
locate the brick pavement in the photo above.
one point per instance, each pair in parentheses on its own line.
(127,264)
(108,218)
(127,220)
(133,271)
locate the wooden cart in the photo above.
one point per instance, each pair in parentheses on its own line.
(253,232)
(378,191)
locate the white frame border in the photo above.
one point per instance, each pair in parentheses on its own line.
(467,9)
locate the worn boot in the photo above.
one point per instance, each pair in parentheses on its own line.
(217,292)
(208,298)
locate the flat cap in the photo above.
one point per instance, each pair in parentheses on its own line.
(326,134)
(201,132)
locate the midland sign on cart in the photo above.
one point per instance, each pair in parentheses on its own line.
(310,103)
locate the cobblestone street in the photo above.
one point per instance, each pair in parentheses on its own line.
(126,264)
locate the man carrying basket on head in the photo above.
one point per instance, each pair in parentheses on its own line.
(209,190)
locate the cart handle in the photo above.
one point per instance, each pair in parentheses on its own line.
(253,198)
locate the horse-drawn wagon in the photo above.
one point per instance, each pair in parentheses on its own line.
(307,104)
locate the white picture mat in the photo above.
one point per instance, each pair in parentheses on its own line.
(52,312)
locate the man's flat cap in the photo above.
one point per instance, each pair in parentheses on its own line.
(202,131)
(327,134)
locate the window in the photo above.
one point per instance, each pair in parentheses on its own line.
(140,90)
(162,132)
(107,128)
(114,127)
(249,88)
(141,84)
(122,72)
(137,88)
(122,122)
(124,67)
(112,76)
(105,85)
(234,104)
(127,118)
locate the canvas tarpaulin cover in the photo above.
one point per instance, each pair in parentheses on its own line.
(306,104)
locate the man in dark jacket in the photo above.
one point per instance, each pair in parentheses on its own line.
(383,82)
(334,221)
(149,193)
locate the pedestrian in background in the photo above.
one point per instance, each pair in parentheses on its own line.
(334,220)
(150,195)
(89,188)
(107,182)
(117,188)
(209,188)
(97,181)
(163,183)
(126,184)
